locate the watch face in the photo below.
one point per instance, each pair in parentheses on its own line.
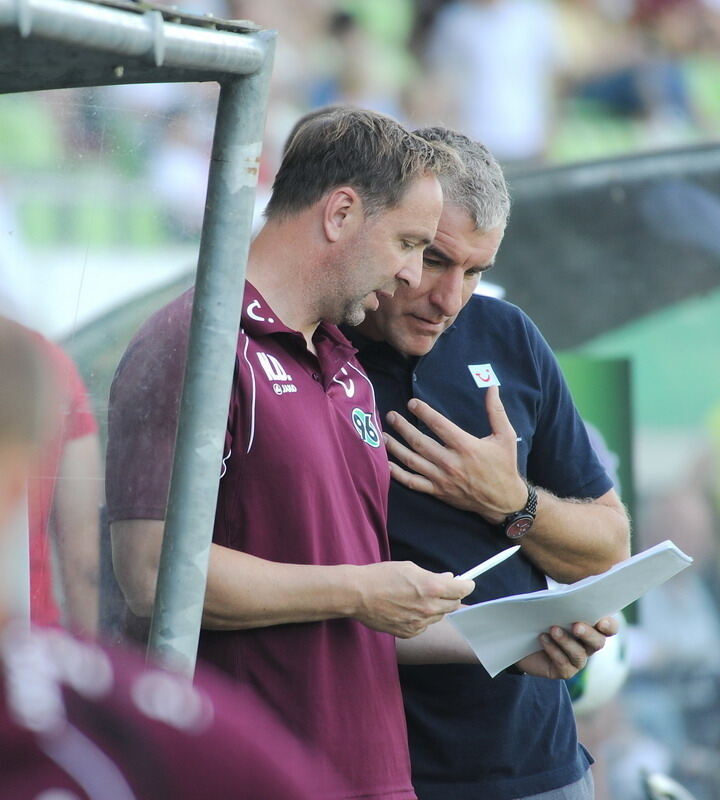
(519,526)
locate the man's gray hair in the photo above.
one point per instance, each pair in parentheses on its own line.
(479,186)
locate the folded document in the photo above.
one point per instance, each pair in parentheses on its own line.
(503,631)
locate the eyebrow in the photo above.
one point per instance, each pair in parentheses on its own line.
(435,252)
(432,250)
(417,239)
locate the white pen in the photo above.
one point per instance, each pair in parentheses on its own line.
(489,563)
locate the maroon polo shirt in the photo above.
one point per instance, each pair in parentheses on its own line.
(304,481)
(83,722)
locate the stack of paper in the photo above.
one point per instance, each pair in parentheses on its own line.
(503,631)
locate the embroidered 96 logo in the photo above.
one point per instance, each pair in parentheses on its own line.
(364,425)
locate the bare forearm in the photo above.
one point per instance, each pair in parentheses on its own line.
(248,592)
(81,589)
(396,597)
(572,539)
(75,524)
(439,644)
(244,591)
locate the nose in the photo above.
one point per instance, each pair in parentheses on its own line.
(447,292)
(411,270)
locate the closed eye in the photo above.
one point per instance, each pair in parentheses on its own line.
(476,272)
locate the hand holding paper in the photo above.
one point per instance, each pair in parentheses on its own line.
(503,631)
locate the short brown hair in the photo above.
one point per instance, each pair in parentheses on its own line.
(346,146)
(24,386)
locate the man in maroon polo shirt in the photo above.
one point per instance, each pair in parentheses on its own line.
(301,603)
(83,722)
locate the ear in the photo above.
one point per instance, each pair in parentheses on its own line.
(342,209)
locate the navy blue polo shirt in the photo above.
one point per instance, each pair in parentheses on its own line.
(472,736)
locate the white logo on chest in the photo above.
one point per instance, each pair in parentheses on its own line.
(275,372)
(347,385)
(273,368)
(483,375)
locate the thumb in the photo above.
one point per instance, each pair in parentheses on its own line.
(500,425)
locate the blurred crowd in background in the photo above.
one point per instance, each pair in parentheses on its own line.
(120,169)
(536,80)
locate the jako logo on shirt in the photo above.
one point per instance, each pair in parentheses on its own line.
(364,425)
(276,372)
(483,375)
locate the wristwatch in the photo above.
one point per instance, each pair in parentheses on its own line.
(517,524)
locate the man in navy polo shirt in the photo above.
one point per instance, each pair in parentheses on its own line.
(479,474)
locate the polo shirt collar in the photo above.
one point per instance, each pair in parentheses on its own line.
(378,352)
(259,319)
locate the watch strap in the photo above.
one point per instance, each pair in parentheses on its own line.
(517,524)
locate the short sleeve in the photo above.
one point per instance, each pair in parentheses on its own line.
(562,458)
(143,414)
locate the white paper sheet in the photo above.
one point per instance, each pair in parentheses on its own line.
(503,631)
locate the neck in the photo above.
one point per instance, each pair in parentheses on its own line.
(369,329)
(282,266)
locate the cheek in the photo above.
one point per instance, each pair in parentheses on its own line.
(468,290)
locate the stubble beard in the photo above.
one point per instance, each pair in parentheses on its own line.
(354,312)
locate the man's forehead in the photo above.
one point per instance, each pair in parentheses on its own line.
(456,226)
(456,218)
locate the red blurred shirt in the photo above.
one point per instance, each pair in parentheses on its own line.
(82,722)
(75,420)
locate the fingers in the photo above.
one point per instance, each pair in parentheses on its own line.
(565,651)
(445,586)
(462,588)
(408,457)
(401,598)
(608,626)
(418,442)
(591,639)
(499,422)
(411,630)
(440,425)
(411,480)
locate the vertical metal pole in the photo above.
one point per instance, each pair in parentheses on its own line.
(219,286)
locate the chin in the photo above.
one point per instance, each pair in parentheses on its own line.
(353,316)
(415,348)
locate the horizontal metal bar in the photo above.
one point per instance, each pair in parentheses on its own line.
(571,178)
(171,44)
